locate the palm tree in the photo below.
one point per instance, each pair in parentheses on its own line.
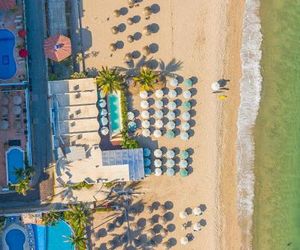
(78,216)
(109,80)
(147,79)
(19,173)
(78,240)
(51,218)
(29,171)
(22,187)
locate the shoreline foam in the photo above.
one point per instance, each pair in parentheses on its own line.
(250,94)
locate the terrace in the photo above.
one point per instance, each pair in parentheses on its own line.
(12,42)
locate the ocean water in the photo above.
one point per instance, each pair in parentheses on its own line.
(276,221)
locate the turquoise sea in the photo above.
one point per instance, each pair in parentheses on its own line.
(276,223)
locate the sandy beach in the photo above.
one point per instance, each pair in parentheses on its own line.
(205,35)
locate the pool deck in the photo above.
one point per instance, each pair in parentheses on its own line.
(16,127)
(14,21)
(10,227)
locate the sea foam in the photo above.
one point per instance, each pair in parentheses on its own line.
(250,90)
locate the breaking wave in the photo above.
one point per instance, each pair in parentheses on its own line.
(250,90)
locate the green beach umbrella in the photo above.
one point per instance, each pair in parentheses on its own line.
(183,172)
(184,154)
(170,134)
(187,105)
(188,83)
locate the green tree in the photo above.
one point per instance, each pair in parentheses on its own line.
(78,239)
(51,218)
(109,80)
(147,79)
(78,216)
(22,187)
(23,179)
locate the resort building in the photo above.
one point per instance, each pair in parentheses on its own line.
(78,147)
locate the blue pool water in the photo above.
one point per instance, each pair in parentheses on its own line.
(14,159)
(114,112)
(15,239)
(8,66)
(53,237)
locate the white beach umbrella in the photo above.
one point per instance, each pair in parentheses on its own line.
(17,100)
(170,154)
(157,153)
(173,82)
(146,152)
(104,121)
(183,215)
(215,86)
(17,110)
(159,124)
(145,124)
(183,164)
(172,93)
(143,94)
(184,241)
(102,103)
(186,116)
(157,163)
(172,105)
(104,130)
(184,136)
(171,115)
(146,132)
(145,114)
(185,126)
(159,104)
(197,226)
(197,211)
(171,125)
(159,93)
(170,163)
(157,133)
(130,116)
(158,114)
(103,112)
(144,104)
(158,171)
(187,94)
(170,172)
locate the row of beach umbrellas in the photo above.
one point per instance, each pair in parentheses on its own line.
(172,93)
(173,82)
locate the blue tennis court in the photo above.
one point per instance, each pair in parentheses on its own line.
(14,160)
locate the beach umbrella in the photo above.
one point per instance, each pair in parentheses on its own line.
(170,125)
(170,154)
(159,104)
(185,116)
(170,163)
(184,154)
(184,241)
(183,164)
(145,124)
(159,93)
(128,57)
(184,136)
(5,101)
(172,105)
(163,232)
(183,215)
(171,115)
(144,94)
(173,82)
(147,11)
(117,13)
(58,47)
(145,114)
(186,105)
(146,50)
(132,126)
(215,86)
(102,103)
(159,124)
(146,31)
(104,130)
(146,132)
(4,124)
(157,163)
(146,152)
(157,133)
(144,104)
(185,126)
(103,112)
(158,171)
(158,114)
(114,29)
(172,93)
(130,116)
(197,226)
(183,172)
(147,162)
(113,47)
(147,171)
(130,21)
(17,100)
(170,172)
(188,83)
(104,121)
(17,110)
(157,153)
(4,110)
(187,94)
(170,134)
(197,211)
(102,94)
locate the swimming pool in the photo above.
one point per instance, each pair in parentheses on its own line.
(8,66)
(53,237)
(15,239)
(14,160)
(114,106)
